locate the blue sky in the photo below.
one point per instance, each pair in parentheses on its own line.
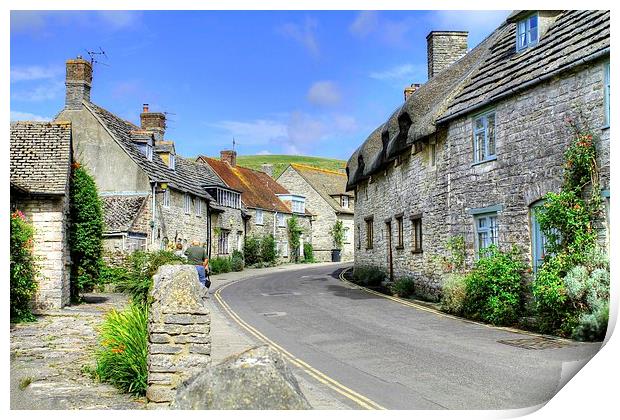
(293,82)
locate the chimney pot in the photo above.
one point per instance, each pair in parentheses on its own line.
(154,122)
(444,48)
(229,156)
(409,90)
(145,107)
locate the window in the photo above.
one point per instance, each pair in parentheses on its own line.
(527,32)
(347,237)
(239,240)
(606,88)
(538,238)
(298,206)
(259,217)
(172,161)
(399,232)
(166,197)
(345,201)
(285,248)
(416,233)
(484,137)
(486,230)
(433,154)
(222,242)
(198,206)
(148,152)
(187,204)
(369,232)
(281,222)
(228,198)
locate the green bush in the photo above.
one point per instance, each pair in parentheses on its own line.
(403,287)
(122,357)
(23,269)
(369,275)
(268,249)
(308,253)
(85,231)
(593,326)
(237,261)
(294,236)
(219,265)
(252,250)
(494,287)
(142,265)
(453,293)
(112,275)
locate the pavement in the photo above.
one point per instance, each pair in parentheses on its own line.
(393,355)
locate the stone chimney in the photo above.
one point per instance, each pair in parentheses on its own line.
(78,82)
(229,156)
(410,89)
(444,48)
(154,122)
(267,168)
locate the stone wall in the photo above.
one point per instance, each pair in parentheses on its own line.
(232,221)
(531,136)
(49,219)
(173,224)
(179,333)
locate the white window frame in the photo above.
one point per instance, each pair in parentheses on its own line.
(490,230)
(484,138)
(297,206)
(606,87)
(222,242)
(166,200)
(258,217)
(148,152)
(525,32)
(281,220)
(198,208)
(345,202)
(172,161)
(187,203)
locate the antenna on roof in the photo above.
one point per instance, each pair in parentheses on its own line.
(233,144)
(94,54)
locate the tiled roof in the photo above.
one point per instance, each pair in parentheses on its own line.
(199,171)
(120,211)
(258,190)
(124,132)
(488,73)
(327,183)
(40,156)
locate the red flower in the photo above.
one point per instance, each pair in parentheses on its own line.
(18,213)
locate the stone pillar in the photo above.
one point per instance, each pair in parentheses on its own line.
(179,332)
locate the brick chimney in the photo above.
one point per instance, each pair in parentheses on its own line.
(78,82)
(229,156)
(154,122)
(410,89)
(267,168)
(444,48)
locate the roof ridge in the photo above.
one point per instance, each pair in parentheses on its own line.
(301,165)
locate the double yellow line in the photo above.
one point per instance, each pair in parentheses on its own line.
(361,400)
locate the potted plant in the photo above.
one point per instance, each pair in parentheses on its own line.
(337,231)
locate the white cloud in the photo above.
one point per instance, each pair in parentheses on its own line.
(365,22)
(390,32)
(36,22)
(26,73)
(119,19)
(264,153)
(44,92)
(324,93)
(302,33)
(254,132)
(479,23)
(27,116)
(403,73)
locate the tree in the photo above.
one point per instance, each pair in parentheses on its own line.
(294,234)
(337,231)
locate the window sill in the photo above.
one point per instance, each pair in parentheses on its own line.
(400,247)
(367,249)
(484,161)
(416,251)
(259,224)
(605,127)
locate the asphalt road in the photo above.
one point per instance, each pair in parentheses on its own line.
(397,356)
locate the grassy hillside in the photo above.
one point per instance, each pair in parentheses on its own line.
(280,162)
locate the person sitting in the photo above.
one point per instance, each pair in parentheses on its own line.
(197,255)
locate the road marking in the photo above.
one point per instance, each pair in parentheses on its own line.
(443,314)
(359,399)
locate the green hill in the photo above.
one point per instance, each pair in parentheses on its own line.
(280,162)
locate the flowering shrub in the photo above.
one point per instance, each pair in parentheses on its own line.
(23,270)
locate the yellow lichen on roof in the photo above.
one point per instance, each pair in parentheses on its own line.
(314,168)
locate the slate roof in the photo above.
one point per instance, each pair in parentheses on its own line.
(258,190)
(157,170)
(325,182)
(120,211)
(490,72)
(40,156)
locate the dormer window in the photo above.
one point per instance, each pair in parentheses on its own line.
(344,202)
(172,161)
(148,152)
(527,32)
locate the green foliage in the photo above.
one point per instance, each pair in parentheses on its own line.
(494,286)
(294,234)
(308,253)
(122,357)
(252,250)
(85,231)
(142,265)
(593,326)
(23,269)
(268,251)
(219,265)
(369,275)
(112,275)
(281,162)
(337,232)
(455,260)
(403,287)
(453,293)
(236,261)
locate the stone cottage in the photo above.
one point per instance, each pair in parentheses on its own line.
(267,204)
(40,167)
(152,197)
(473,150)
(328,200)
